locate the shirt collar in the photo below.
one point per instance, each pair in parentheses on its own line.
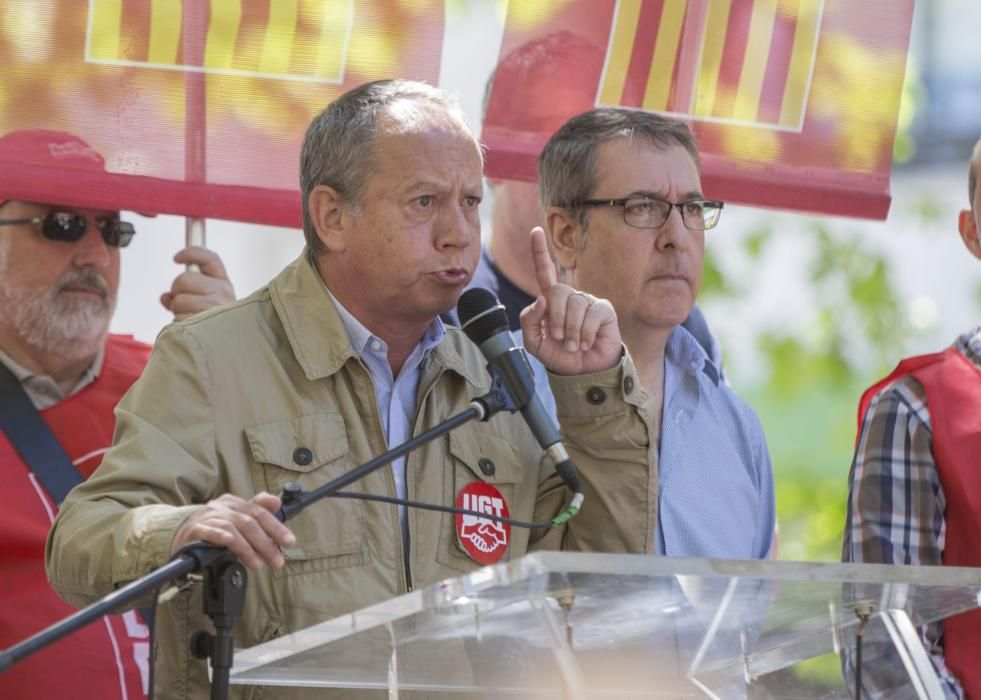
(42,389)
(970,345)
(319,341)
(684,351)
(364,341)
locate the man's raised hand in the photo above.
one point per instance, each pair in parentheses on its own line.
(569,331)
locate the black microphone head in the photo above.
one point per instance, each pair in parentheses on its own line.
(481,315)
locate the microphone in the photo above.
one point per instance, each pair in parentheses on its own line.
(484,319)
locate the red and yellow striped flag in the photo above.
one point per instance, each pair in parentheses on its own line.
(736,61)
(198,107)
(285,39)
(795,103)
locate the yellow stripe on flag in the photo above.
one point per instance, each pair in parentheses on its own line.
(799,74)
(219,49)
(335,29)
(665,55)
(104,39)
(278,43)
(712,46)
(166,17)
(621,49)
(755,60)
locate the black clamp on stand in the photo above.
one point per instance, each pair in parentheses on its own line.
(224,600)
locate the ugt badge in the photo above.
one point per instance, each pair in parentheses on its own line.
(483,539)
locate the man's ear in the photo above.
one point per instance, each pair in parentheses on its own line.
(326,207)
(968,224)
(564,234)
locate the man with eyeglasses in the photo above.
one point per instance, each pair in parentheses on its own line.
(61,375)
(625,218)
(527,92)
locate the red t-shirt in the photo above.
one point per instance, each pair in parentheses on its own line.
(109,658)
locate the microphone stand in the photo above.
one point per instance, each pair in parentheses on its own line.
(225,577)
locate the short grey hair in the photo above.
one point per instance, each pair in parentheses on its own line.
(567,165)
(972,172)
(339,145)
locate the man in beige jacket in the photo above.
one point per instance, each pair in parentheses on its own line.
(341,356)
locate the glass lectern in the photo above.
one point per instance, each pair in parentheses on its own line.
(565,625)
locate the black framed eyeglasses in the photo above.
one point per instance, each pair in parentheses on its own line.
(650,212)
(70,227)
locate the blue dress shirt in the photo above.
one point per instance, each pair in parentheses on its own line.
(396,396)
(715,479)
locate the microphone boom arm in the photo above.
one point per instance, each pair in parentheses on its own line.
(481,408)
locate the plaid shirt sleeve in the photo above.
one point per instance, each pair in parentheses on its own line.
(896,516)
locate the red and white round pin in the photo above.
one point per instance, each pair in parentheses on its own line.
(483,539)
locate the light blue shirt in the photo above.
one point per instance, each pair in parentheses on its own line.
(396,396)
(716,495)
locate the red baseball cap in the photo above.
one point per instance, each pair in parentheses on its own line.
(63,157)
(53,149)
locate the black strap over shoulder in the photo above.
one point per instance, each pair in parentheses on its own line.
(34,440)
(39,447)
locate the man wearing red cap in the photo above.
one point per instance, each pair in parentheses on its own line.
(59,275)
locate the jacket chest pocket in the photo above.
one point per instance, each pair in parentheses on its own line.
(475,456)
(310,451)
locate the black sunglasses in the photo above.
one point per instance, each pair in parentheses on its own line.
(70,227)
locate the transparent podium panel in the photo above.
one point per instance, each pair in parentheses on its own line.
(598,625)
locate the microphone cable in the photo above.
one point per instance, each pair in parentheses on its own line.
(563,517)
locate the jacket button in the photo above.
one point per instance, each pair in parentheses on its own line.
(628,385)
(596,396)
(302,456)
(487,467)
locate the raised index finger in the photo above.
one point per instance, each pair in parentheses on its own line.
(544,267)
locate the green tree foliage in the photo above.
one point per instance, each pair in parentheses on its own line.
(808,397)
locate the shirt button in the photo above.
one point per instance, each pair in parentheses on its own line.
(487,467)
(376,345)
(302,456)
(596,396)
(628,385)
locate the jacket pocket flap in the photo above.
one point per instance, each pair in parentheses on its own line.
(300,444)
(490,458)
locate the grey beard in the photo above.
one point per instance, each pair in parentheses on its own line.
(63,326)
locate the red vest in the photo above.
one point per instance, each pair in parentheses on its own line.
(107,659)
(953,391)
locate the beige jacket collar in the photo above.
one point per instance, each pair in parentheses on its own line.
(319,342)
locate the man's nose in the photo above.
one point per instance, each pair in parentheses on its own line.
(673,233)
(91,249)
(457,226)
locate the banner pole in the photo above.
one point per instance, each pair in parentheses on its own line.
(195,19)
